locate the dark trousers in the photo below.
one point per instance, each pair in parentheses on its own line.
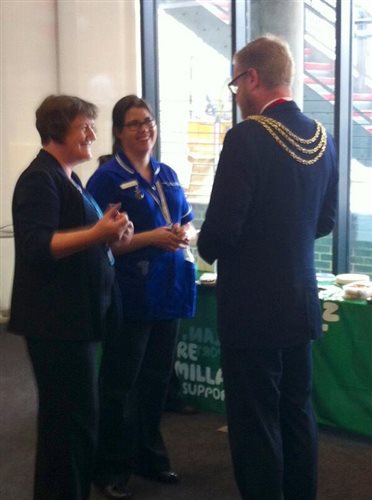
(135,372)
(66,377)
(272,430)
(174,400)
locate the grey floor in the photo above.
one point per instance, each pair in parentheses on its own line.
(198,447)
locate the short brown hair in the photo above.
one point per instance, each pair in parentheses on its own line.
(55,114)
(271,57)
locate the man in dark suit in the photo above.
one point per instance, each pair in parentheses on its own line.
(274,193)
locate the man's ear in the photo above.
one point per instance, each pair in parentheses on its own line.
(253,78)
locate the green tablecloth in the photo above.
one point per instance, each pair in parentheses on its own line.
(198,356)
(342,389)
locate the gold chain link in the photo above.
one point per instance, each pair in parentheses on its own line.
(281,133)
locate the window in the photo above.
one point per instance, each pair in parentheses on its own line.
(361,153)
(319,86)
(193,43)
(193,48)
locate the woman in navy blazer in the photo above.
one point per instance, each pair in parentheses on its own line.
(63,293)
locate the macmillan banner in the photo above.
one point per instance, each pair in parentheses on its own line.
(342,389)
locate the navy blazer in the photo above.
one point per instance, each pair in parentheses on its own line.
(265,212)
(65,298)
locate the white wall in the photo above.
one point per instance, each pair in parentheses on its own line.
(88,48)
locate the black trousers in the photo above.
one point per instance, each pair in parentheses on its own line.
(67,382)
(135,371)
(272,430)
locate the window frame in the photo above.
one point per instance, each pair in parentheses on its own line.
(343,100)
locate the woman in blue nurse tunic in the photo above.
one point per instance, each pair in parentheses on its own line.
(157,281)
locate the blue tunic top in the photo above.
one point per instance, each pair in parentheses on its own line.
(155,284)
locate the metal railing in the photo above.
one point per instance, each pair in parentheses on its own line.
(320,17)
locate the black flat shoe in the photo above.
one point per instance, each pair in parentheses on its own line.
(163,476)
(167,476)
(118,490)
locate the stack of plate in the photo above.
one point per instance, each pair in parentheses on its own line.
(345,279)
(208,279)
(325,280)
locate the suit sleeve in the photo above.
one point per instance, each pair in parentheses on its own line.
(327,216)
(231,197)
(36,211)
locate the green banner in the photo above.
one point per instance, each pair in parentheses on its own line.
(342,389)
(198,356)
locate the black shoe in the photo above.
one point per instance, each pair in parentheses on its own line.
(182,409)
(117,489)
(163,476)
(187,410)
(167,476)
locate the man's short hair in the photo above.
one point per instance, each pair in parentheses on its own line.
(271,57)
(55,114)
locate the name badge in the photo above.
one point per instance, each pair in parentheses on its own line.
(129,184)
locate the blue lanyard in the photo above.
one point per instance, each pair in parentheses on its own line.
(89,198)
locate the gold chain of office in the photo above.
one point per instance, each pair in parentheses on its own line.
(315,145)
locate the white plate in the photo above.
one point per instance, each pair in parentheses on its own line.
(208,279)
(345,279)
(325,276)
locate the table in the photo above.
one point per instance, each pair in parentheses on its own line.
(342,389)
